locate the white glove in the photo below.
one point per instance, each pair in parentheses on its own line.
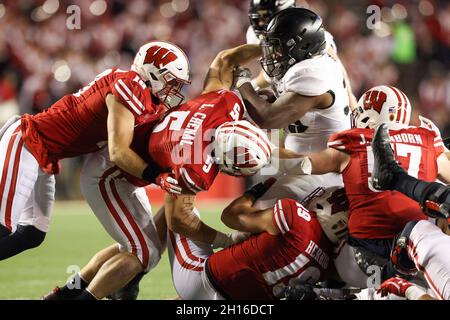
(241,76)
(293,166)
(223,240)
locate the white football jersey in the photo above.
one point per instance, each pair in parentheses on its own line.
(314,77)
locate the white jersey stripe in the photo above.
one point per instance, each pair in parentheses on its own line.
(283,218)
(273,277)
(130,93)
(277,220)
(124,96)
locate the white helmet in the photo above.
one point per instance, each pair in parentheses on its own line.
(166,67)
(240,148)
(331,209)
(382,104)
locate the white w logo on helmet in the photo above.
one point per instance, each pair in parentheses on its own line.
(382,104)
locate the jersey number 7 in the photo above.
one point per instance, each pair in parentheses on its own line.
(414,153)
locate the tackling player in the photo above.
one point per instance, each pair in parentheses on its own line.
(194,142)
(376,217)
(288,244)
(106,110)
(422,246)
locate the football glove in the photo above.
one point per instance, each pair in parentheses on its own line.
(168,183)
(241,76)
(396,286)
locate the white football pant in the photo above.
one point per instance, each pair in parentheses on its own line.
(27,193)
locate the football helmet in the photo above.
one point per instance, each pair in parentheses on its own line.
(166,68)
(331,208)
(240,148)
(262,10)
(382,104)
(292,35)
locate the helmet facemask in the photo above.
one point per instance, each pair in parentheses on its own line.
(171,86)
(275,62)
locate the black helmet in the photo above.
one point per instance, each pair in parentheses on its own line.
(262,10)
(292,35)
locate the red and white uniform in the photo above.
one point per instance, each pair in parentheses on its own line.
(118,199)
(182,141)
(382,215)
(256,267)
(74,125)
(428,248)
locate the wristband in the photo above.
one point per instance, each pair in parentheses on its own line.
(241,81)
(150,173)
(414,293)
(255,85)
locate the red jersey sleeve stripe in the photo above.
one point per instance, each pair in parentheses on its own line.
(127,99)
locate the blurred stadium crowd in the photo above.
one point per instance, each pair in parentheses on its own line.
(41,59)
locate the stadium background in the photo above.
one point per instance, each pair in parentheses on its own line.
(41,60)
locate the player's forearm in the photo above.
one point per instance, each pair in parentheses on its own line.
(258,108)
(240,206)
(127,160)
(181,219)
(241,54)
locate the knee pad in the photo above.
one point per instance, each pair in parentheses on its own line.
(28,237)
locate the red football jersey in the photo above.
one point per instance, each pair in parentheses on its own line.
(253,268)
(76,124)
(182,140)
(382,215)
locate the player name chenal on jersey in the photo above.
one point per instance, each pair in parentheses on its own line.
(314,77)
(182,140)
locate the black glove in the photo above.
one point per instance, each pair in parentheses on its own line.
(300,291)
(259,189)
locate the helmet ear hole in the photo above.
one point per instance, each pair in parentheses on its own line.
(319,206)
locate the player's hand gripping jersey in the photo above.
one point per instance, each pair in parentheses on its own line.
(254,267)
(182,140)
(76,124)
(382,215)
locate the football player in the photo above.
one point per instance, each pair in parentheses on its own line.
(433,196)
(312,100)
(194,142)
(260,13)
(422,245)
(377,217)
(288,244)
(105,111)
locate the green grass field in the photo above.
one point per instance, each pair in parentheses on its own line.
(75,236)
